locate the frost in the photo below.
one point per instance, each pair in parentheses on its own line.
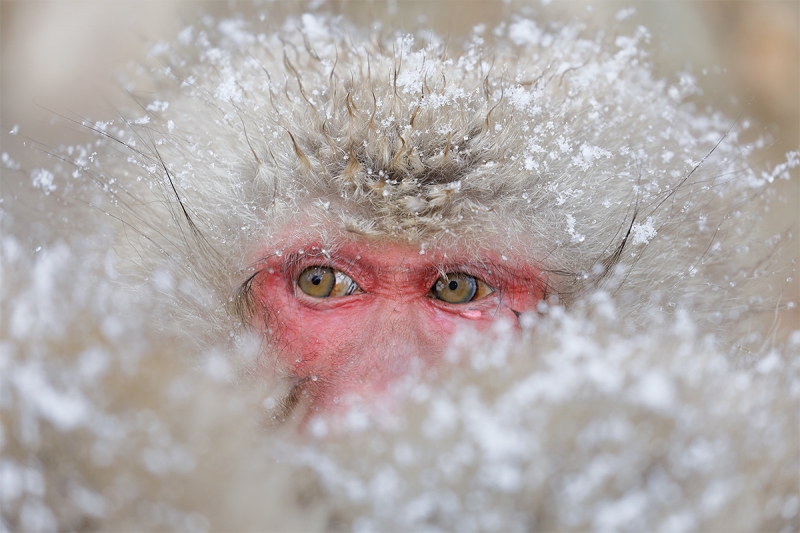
(643,233)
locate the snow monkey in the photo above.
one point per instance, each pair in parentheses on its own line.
(540,269)
(357,199)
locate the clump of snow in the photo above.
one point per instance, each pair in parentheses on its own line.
(575,237)
(43,179)
(643,233)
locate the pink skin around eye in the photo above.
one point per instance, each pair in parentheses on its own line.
(357,345)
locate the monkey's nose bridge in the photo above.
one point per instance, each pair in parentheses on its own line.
(401,279)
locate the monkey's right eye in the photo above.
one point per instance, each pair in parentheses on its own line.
(323,282)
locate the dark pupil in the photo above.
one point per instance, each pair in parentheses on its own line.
(453,285)
(316,280)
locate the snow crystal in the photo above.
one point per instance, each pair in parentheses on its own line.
(642,233)
(575,236)
(228,89)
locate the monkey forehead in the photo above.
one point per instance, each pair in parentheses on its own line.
(381,252)
(460,226)
(388,257)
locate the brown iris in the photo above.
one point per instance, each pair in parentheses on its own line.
(324,282)
(460,288)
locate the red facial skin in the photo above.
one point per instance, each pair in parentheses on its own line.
(357,345)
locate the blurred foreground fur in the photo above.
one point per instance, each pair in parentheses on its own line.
(658,389)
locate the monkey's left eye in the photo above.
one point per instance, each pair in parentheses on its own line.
(460,288)
(323,282)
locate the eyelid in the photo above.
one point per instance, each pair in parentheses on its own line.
(296,263)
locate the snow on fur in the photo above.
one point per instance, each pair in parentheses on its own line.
(654,392)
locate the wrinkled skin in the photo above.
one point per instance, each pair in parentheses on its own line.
(356,345)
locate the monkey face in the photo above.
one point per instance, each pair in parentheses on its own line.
(347,321)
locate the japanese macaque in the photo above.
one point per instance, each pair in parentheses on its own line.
(538,265)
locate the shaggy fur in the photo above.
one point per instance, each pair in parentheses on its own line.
(575,158)
(656,389)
